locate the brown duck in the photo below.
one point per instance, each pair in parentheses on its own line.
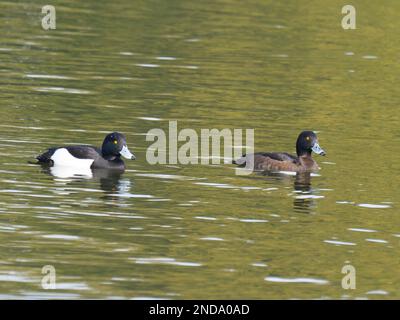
(307,142)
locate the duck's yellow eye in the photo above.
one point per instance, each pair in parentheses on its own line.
(307,138)
(115,141)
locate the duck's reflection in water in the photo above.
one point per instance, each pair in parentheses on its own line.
(302,186)
(110,181)
(303,200)
(69,172)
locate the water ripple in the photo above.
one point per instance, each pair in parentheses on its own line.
(296,280)
(169,261)
(62,90)
(340,243)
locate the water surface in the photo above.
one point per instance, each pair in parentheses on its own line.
(200,231)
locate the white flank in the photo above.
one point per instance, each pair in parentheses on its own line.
(64,159)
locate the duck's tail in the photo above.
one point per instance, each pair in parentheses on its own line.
(45,158)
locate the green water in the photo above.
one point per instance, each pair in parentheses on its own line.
(200,231)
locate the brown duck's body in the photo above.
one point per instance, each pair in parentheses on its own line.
(282,161)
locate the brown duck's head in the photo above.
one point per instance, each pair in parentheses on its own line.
(307,142)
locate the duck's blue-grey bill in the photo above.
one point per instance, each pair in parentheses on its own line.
(318,150)
(126,153)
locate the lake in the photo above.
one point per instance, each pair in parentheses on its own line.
(199,231)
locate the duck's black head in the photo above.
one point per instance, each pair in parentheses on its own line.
(114,146)
(308,142)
